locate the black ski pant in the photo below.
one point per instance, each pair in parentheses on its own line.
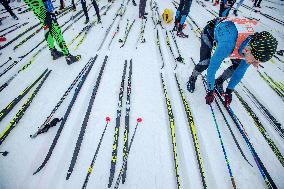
(142,6)
(73,4)
(7,7)
(182,10)
(184,7)
(205,52)
(257,3)
(84,6)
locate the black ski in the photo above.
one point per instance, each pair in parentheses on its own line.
(8,28)
(14,102)
(22,111)
(48,119)
(179,58)
(127,112)
(68,111)
(160,50)
(171,50)
(85,122)
(18,36)
(110,26)
(9,59)
(14,29)
(116,129)
(127,33)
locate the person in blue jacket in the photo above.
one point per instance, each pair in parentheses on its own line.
(225,7)
(250,49)
(181,14)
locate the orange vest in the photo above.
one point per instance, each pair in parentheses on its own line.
(245,29)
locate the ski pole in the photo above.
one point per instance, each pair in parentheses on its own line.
(90,169)
(139,120)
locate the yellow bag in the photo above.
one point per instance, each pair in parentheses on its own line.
(167,16)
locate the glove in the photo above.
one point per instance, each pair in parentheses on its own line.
(228,97)
(210,96)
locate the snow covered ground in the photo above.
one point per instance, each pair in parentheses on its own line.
(151,161)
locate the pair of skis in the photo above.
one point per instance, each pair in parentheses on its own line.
(127,31)
(64,96)
(85,122)
(24,107)
(81,79)
(117,126)
(141,37)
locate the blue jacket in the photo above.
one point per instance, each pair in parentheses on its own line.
(226,34)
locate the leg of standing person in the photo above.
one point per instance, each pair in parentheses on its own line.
(205,55)
(178,14)
(142,6)
(255,3)
(52,31)
(97,10)
(73,5)
(84,7)
(237,7)
(8,8)
(258,3)
(61,4)
(184,14)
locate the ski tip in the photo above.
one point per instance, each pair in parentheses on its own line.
(139,119)
(37,171)
(107,119)
(68,175)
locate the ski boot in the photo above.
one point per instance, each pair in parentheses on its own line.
(235,12)
(70,59)
(56,54)
(191,84)
(219,85)
(216,3)
(181,34)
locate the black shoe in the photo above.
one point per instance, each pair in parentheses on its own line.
(56,54)
(134,3)
(146,13)
(15,17)
(87,21)
(143,17)
(235,12)
(70,59)
(191,84)
(175,28)
(182,35)
(219,85)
